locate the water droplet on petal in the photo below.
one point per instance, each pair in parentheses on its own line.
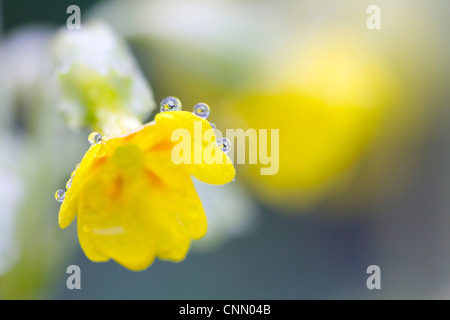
(69,184)
(170,104)
(224,144)
(202,110)
(94,138)
(60,195)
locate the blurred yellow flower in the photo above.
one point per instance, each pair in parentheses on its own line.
(327,97)
(133,203)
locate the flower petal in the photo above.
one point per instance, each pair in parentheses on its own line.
(69,207)
(115,211)
(218,172)
(180,197)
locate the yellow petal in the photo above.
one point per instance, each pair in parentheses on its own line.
(219,172)
(178,194)
(86,244)
(116,208)
(69,208)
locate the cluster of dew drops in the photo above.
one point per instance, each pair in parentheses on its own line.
(201,110)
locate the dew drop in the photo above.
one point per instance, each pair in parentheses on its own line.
(94,138)
(224,144)
(170,104)
(60,195)
(202,110)
(69,184)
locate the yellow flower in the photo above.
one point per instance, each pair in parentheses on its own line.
(133,203)
(329,99)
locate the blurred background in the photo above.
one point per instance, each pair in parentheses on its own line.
(363,117)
